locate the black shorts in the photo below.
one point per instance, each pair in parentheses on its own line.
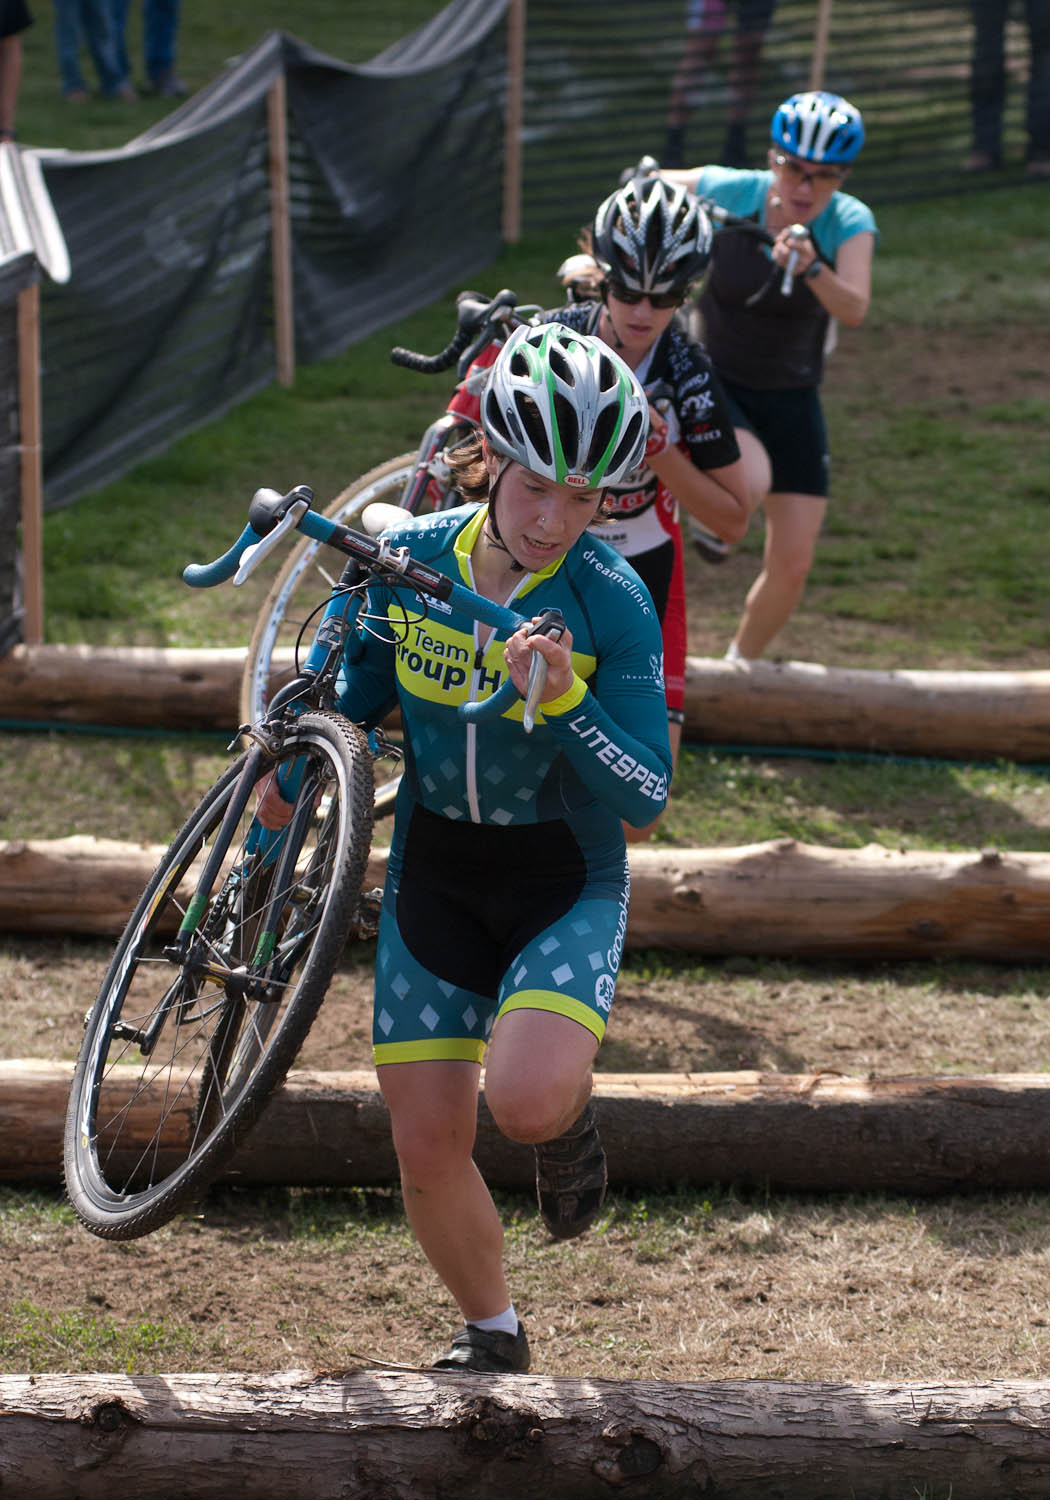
(791,427)
(479,919)
(14,17)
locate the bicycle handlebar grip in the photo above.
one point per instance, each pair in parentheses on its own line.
(207,575)
(433,364)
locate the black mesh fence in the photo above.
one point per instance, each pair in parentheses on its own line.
(168,316)
(601,73)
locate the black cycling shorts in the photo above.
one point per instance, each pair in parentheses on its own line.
(791,427)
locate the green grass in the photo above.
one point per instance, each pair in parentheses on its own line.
(210,37)
(38,1338)
(724,799)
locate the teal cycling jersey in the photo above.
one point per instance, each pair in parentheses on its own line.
(600,750)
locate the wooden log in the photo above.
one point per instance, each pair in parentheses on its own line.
(779,897)
(955,715)
(384,1434)
(133,687)
(783,897)
(799,1133)
(90,886)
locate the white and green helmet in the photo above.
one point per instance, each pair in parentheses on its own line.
(565,406)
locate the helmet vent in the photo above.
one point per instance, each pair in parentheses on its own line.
(532,422)
(628,441)
(568,424)
(602,435)
(561,366)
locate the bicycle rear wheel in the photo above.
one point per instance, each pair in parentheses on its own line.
(187,1039)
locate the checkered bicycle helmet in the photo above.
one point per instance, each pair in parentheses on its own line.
(652,236)
(818,126)
(565,406)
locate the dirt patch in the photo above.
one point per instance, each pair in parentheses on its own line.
(693,1286)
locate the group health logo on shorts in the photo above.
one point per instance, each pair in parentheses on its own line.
(604,989)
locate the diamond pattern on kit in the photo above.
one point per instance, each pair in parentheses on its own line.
(451,812)
(429,1016)
(500,816)
(549,945)
(596,961)
(400,986)
(581,927)
(446,987)
(562,974)
(470,1018)
(520,975)
(385,1022)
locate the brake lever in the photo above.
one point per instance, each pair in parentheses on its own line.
(796,232)
(550,623)
(252,556)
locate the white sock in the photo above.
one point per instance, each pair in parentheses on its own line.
(732,654)
(504,1322)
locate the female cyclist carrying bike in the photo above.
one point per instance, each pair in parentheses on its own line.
(768,347)
(505,902)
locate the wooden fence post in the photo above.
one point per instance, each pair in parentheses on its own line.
(818,63)
(512,148)
(284,322)
(31,464)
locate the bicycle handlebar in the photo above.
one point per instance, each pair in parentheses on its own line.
(474,319)
(271,515)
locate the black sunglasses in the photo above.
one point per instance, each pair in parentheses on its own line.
(660,300)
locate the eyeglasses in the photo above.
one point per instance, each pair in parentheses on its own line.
(799,173)
(658,300)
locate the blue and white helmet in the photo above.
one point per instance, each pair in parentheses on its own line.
(818,127)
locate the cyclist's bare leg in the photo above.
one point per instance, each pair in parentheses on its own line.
(639,835)
(433,1111)
(538,1073)
(793,524)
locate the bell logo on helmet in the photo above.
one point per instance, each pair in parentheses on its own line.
(578,481)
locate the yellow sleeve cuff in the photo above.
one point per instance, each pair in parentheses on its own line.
(568,700)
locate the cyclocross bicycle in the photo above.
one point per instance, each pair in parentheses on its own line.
(227,957)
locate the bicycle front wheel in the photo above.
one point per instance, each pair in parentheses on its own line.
(206,1004)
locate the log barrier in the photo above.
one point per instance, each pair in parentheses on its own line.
(775,898)
(818,1132)
(955,715)
(390,1434)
